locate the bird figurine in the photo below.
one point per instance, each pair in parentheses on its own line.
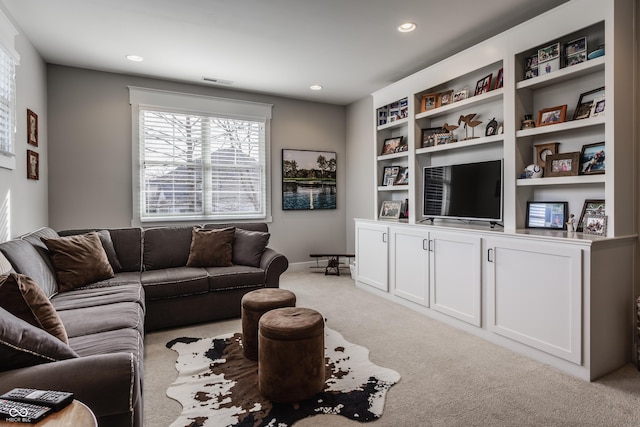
(469,122)
(450,129)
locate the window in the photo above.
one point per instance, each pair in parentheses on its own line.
(205,162)
(9,58)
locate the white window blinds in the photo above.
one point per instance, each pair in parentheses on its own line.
(8,60)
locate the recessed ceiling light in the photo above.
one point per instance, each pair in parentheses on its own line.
(315,87)
(407,27)
(135,58)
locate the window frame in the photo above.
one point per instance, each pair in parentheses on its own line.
(7,44)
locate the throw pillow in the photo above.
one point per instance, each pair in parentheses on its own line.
(22,344)
(5,265)
(248,247)
(107,244)
(23,298)
(211,248)
(78,260)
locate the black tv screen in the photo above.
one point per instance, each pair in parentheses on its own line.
(470,191)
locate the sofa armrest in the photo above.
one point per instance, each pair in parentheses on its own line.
(274,264)
(108,384)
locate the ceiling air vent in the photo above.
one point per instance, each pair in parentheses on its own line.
(217,81)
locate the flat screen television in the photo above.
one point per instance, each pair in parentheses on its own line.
(466,191)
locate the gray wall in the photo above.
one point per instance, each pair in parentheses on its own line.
(90,183)
(23,202)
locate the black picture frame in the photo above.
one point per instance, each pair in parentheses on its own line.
(585,103)
(429,136)
(547,215)
(591,207)
(389,175)
(403,176)
(592,159)
(390,145)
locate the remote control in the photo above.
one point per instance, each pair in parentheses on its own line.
(22,412)
(55,400)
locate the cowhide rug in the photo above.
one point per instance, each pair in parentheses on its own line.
(217,386)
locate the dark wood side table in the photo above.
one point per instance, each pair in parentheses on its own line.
(77,414)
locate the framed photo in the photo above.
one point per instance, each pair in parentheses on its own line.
(429,102)
(576,59)
(429,136)
(33,165)
(598,107)
(445,98)
(403,176)
(483,85)
(552,116)
(549,66)
(308,180)
(443,138)
(390,145)
(592,158)
(389,175)
(544,150)
(595,224)
(460,94)
(549,53)
(531,67)
(499,79)
(591,207)
(390,209)
(575,46)
(585,103)
(564,164)
(551,215)
(32,128)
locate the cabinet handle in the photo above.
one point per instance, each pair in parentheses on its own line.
(384,237)
(430,247)
(490,254)
(425,244)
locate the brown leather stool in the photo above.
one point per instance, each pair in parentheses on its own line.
(254,305)
(291,363)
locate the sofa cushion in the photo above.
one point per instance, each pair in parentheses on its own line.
(107,245)
(78,260)
(238,276)
(248,247)
(116,341)
(166,247)
(5,265)
(174,282)
(27,260)
(23,298)
(91,296)
(211,248)
(101,318)
(22,344)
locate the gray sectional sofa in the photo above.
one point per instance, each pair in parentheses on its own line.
(154,281)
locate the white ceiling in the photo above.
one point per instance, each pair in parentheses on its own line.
(280,47)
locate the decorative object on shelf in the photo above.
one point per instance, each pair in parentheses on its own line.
(404,108)
(443,138)
(591,207)
(575,52)
(551,215)
(595,224)
(597,53)
(469,123)
(492,128)
(390,145)
(552,116)
(499,79)
(394,112)
(544,150)
(592,159)
(389,175)
(429,102)
(531,67)
(382,116)
(483,85)
(33,165)
(445,98)
(461,94)
(586,101)
(549,59)
(32,128)
(528,122)
(308,179)
(402,177)
(406,208)
(571,224)
(390,209)
(598,107)
(429,136)
(563,164)
(531,171)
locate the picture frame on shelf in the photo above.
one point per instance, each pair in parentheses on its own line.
(542,151)
(403,176)
(390,145)
(33,165)
(562,164)
(389,175)
(576,59)
(575,52)
(32,128)
(483,85)
(461,94)
(549,53)
(585,103)
(531,67)
(549,66)
(429,136)
(595,224)
(499,79)
(598,107)
(547,215)
(591,207)
(592,159)
(443,138)
(552,116)
(429,102)
(445,98)
(402,146)
(390,209)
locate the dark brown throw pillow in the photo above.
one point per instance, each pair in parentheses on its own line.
(248,247)
(22,344)
(211,248)
(107,244)
(78,260)
(23,298)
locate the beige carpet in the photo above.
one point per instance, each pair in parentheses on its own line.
(449,377)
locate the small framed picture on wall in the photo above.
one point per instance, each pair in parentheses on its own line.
(32,128)
(33,165)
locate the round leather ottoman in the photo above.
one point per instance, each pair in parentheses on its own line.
(254,305)
(291,362)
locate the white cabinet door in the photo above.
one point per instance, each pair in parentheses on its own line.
(535,293)
(409,264)
(455,281)
(372,255)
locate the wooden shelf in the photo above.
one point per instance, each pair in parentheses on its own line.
(462,105)
(563,74)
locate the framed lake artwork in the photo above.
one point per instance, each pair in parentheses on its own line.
(308,179)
